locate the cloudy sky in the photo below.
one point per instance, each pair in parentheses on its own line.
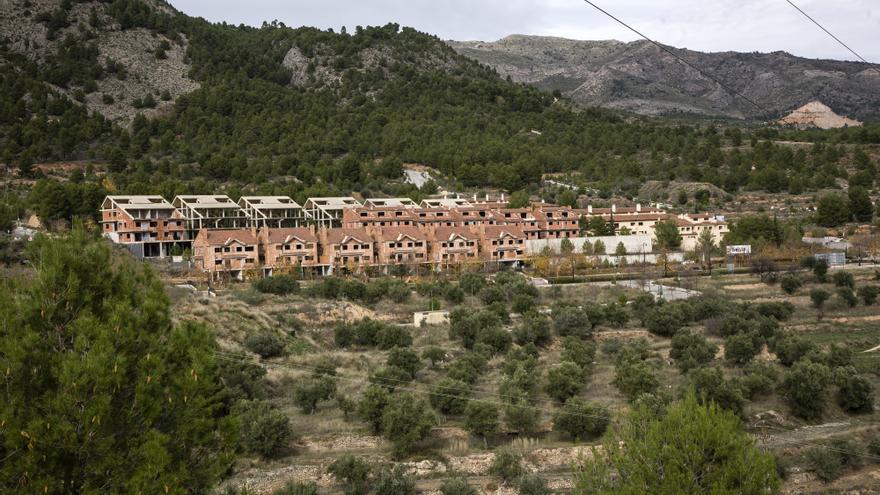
(706,25)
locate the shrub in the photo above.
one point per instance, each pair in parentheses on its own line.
(739,349)
(534,329)
(279,285)
(780,311)
(758,379)
(827,465)
(844,279)
(390,336)
(580,420)
(564,380)
(264,429)
(533,485)
(407,421)
(450,396)
(372,405)
(690,350)
(266,344)
(496,338)
(665,320)
(869,294)
(468,367)
(457,486)
(395,481)
(710,386)
(791,349)
(298,488)
(642,306)
(481,418)
(404,359)
(579,352)
(855,394)
(309,391)
(634,378)
(839,356)
(819,296)
(820,270)
(472,283)
(848,296)
(390,377)
(569,320)
(615,315)
(454,294)
(804,388)
(506,465)
(434,354)
(492,294)
(790,284)
(520,416)
(522,303)
(352,473)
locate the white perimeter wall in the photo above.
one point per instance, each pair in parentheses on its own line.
(634,244)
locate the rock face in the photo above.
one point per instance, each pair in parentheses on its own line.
(132,49)
(642,78)
(817,114)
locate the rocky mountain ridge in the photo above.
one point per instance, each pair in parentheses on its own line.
(642,78)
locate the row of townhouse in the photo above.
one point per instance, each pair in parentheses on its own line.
(154,227)
(237,252)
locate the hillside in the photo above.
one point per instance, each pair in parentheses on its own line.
(640,77)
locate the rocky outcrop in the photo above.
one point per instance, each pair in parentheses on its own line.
(642,78)
(817,114)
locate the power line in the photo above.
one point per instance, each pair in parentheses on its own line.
(829,33)
(680,59)
(230,356)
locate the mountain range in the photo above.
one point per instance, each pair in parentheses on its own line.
(642,78)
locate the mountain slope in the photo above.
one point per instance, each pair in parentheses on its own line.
(640,77)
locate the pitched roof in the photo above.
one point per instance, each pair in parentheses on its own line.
(287,234)
(497,231)
(337,236)
(226,236)
(448,233)
(397,233)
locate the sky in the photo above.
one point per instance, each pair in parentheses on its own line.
(705,25)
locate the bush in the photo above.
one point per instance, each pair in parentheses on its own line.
(844,279)
(390,377)
(790,284)
(435,355)
(266,344)
(450,396)
(496,338)
(780,311)
(869,294)
(404,359)
(534,329)
(665,320)
(804,388)
(279,285)
(580,420)
(407,421)
(522,303)
(264,429)
(395,481)
(848,296)
(372,405)
(533,485)
(739,349)
(297,488)
(309,391)
(634,378)
(457,486)
(791,349)
(352,473)
(520,416)
(564,380)
(579,352)
(472,283)
(758,379)
(855,394)
(481,418)
(820,270)
(827,465)
(371,333)
(492,294)
(569,320)
(468,367)
(454,295)
(710,386)
(506,465)
(690,350)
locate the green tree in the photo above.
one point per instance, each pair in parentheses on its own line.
(691,350)
(352,473)
(308,392)
(665,319)
(372,405)
(407,421)
(102,390)
(564,380)
(570,320)
(860,204)
(506,465)
(404,359)
(819,296)
(869,294)
(395,481)
(457,486)
(667,235)
(634,378)
(620,250)
(264,429)
(481,418)
(832,211)
(740,348)
(519,199)
(804,387)
(678,453)
(580,420)
(706,246)
(855,394)
(450,396)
